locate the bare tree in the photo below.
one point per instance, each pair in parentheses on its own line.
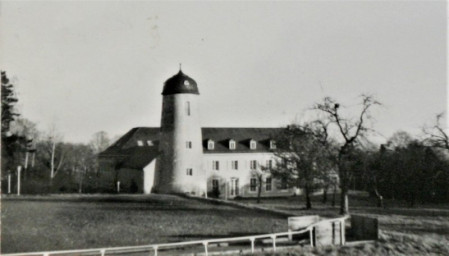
(350,131)
(436,135)
(99,142)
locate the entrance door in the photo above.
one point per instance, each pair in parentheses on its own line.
(234,187)
(215,188)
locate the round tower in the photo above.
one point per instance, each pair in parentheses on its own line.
(180,162)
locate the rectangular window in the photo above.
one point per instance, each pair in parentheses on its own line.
(235,165)
(283,184)
(231,144)
(189,171)
(215,165)
(268,184)
(140,143)
(253,164)
(252,184)
(269,164)
(188,108)
(188,144)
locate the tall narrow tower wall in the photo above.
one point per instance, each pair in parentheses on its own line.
(180,169)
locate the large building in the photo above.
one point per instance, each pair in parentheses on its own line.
(183,157)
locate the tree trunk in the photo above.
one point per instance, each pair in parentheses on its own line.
(52,162)
(325,194)
(307,194)
(380,199)
(259,192)
(344,203)
(334,196)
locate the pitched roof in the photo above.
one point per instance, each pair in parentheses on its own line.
(242,137)
(138,147)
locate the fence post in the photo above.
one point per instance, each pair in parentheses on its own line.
(155,250)
(252,244)
(205,248)
(274,242)
(19,168)
(9,183)
(103,252)
(311,236)
(342,232)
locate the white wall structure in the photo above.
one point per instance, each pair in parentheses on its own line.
(180,147)
(233,176)
(183,157)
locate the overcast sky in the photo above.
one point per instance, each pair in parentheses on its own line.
(88,66)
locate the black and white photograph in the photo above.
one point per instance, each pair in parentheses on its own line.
(224,127)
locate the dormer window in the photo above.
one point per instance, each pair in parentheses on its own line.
(140,143)
(252,144)
(232,144)
(272,144)
(210,145)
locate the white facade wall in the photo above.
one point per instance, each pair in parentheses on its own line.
(148,177)
(227,176)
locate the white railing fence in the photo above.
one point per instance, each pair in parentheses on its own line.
(206,243)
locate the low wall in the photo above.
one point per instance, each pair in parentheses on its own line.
(364,228)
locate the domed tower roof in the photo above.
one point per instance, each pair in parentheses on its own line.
(180,83)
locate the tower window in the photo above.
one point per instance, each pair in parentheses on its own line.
(210,145)
(235,165)
(189,171)
(253,164)
(188,144)
(215,165)
(272,144)
(252,144)
(188,108)
(232,144)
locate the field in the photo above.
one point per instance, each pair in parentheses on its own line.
(37,223)
(423,230)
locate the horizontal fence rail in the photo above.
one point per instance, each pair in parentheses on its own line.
(156,247)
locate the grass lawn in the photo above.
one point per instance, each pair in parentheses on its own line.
(38,223)
(422,230)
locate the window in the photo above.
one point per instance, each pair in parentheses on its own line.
(189,171)
(210,144)
(188,144)
(231,144)
(253,164)
(269,164)
(188,108)
(283,184)
(235,165)
(140,143)
(252,144)
(268,184)
(252,184)
(150,143)
(215,165)
(272,144)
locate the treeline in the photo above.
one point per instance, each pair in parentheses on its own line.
(408,169)
(47,164)
(333,152)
